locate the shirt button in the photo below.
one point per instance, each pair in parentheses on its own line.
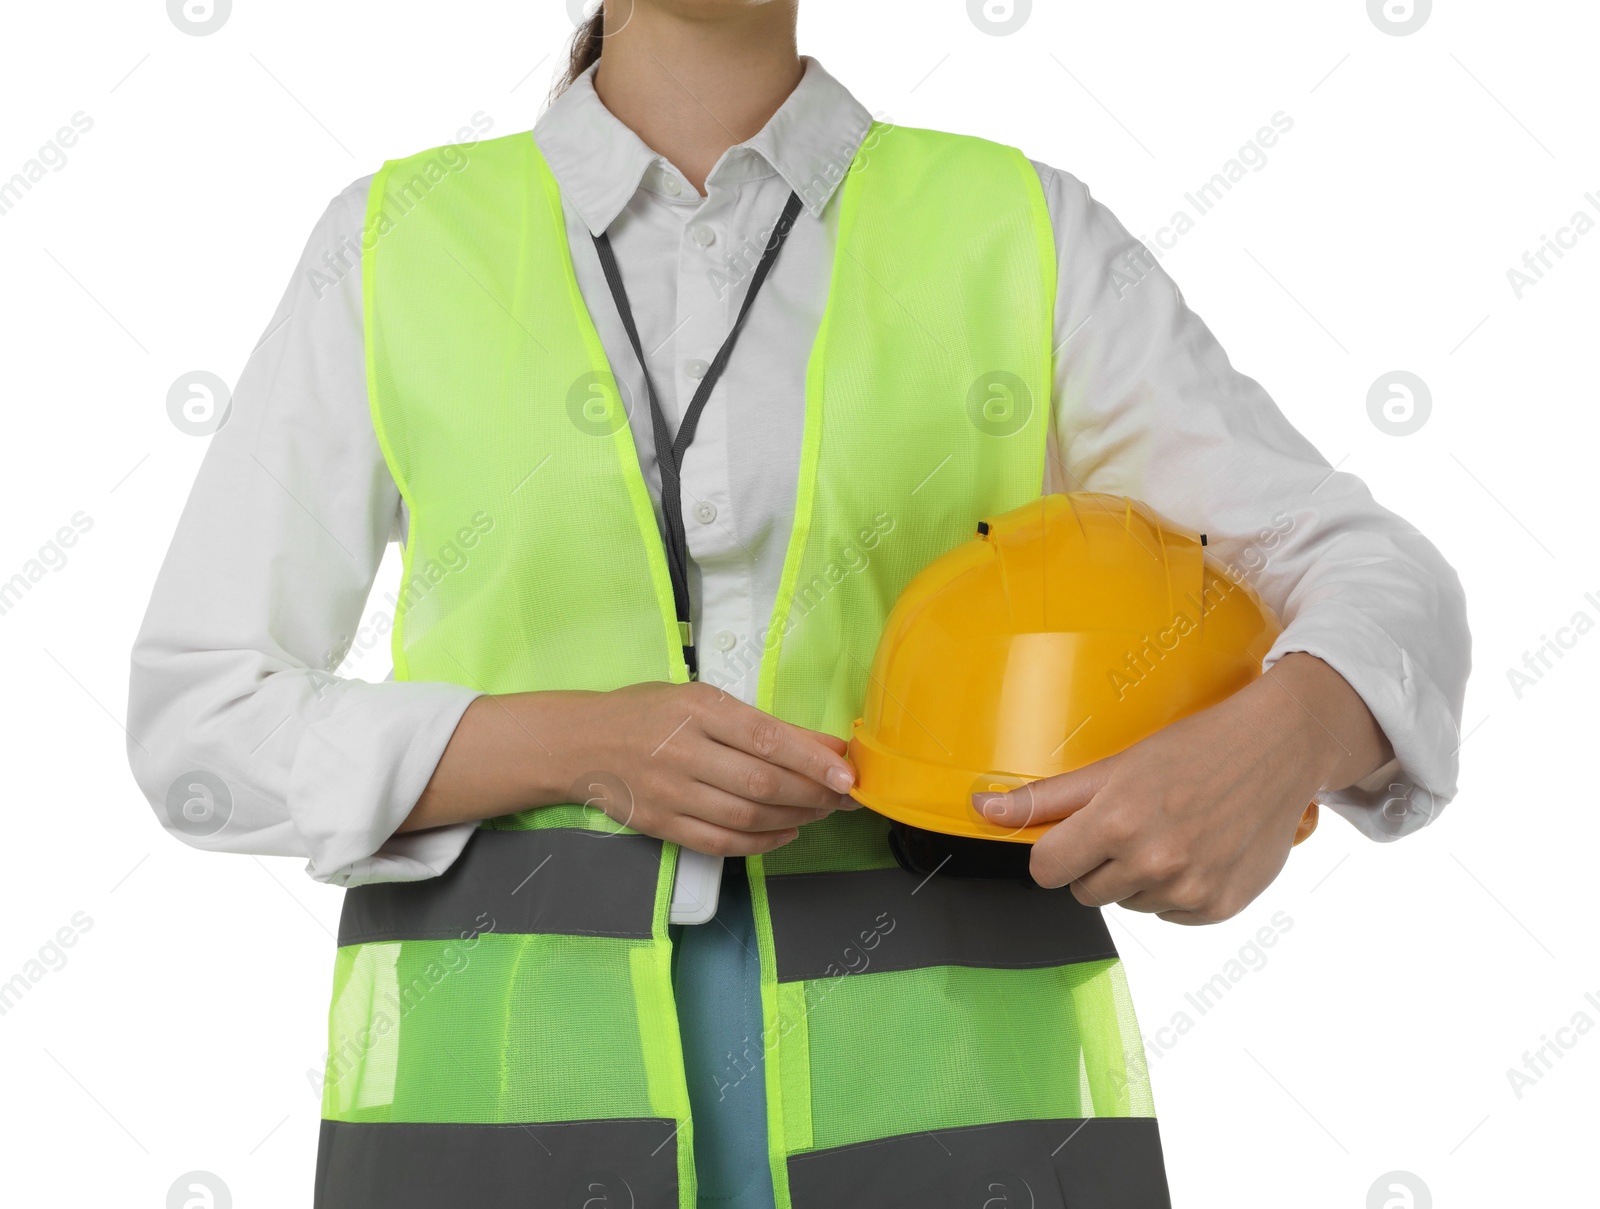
(705,512)
(697,368)
(725,640)
(704,235)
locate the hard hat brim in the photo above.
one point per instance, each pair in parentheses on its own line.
(934,797)
(940,820)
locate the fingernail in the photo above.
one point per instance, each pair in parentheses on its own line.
(992,806)
(840,779)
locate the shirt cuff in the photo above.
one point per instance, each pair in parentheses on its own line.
(363,759)
(1407,793)
(412,857)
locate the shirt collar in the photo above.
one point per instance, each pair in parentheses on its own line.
(600,163)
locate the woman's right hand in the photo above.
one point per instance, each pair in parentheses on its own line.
(681,762)
(691,764)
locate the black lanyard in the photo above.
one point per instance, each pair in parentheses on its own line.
(670,449)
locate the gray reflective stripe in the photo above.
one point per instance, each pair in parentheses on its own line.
(561,880)
(1101,1163)
(627,1164)
(826,924)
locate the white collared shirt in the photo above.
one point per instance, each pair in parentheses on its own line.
(265,586)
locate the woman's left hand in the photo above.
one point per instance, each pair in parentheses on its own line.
(1195,821)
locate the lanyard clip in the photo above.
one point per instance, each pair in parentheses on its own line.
(686,639)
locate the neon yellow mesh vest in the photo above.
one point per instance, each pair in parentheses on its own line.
(506,1034)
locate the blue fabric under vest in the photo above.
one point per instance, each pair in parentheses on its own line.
(716,973)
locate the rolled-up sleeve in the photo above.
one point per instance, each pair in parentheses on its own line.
(240,734)
(1148,405)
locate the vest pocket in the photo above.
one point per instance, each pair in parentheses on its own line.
(505,1034)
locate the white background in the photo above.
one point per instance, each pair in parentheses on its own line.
(1420,168)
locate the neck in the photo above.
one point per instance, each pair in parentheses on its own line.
(693,83)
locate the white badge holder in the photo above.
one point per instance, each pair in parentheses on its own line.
(695,887)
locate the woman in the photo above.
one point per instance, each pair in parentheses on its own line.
(623,388)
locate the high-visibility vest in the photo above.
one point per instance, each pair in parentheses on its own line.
(506,1034)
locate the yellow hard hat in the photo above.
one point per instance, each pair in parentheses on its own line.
(1066,631)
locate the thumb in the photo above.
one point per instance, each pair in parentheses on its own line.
(1046,800)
